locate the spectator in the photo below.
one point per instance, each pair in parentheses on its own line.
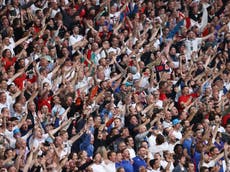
(114,85)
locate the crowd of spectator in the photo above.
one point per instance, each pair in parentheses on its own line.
(115,85)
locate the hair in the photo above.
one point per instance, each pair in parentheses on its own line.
(4,109)
(144,141)
(212,148)
(140,147)
(102,151)
(202,169)
(152,162)
(161,84)
(127,139)
(142,169)
(160,139)
(62,132)
(165,153)
(2,92)
(96,154)
(119,169)
(109,154)
(4,52)
(189,162)
(177,146)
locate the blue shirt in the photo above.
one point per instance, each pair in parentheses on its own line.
(187,144)
(126,165)
(196,158)
(137,163)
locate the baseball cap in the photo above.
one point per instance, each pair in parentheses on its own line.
(176,121)
(16,131)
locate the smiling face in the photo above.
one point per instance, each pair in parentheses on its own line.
(142,152)
(185,91)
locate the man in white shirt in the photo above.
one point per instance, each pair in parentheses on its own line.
(130,145)
(3,101)
(115,46)
(176,129)
(97,165)
(193,44)
(155,165)
(38,138)
(109,164)
(75,37)
(167,120)
(159,103)
(167,162)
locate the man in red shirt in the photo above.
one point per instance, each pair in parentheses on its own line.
(185,99)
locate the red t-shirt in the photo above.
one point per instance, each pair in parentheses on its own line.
(8,62)
(162,97)
(225,119)
(37,29)
(185,98)
(19,81)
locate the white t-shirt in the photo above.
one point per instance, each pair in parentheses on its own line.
(74,39)
(107,72)
(144,82)
(159,103)
(152,142)
(167,124)
(109,167)
(54,12)
(160,148)
(47,79)
(165,163)
(115,50)
(36,142)
(152,170)
(34,8)
(191,46)
(114,18)
(136,76)
(10,47)
(177,134)
(220,129)
(98,168)
(9,134)
(84,84)
(67,146)
(132,153)
(171,146)
(4,105)
(209,164)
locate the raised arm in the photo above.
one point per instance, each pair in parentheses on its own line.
(23,120)
(226,152)
(208,36)
(29,160)
(34,94)
(85,58)
(52,132)
(77,136)
(148,108)
(124,7)
(21,40)
(118,65)
(16,75)
(218,157)
(55,71)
